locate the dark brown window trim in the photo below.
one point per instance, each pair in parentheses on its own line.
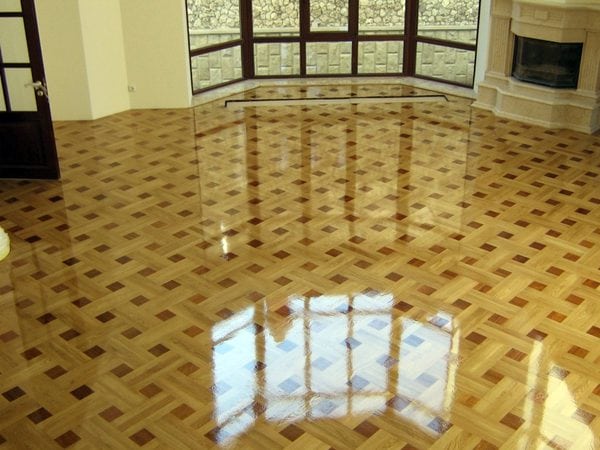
(275,39)
(445,43)
(214,47)
(16,65)
(210,88)
(380,37)
(4,85)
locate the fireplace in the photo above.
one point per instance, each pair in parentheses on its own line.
(543,66)
(546,63)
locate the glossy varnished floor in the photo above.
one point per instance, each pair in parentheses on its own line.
(418,275)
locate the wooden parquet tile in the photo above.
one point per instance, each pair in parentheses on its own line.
(417,275)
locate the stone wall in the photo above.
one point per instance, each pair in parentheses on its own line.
(213,14)
(216,67)
(275,13)
(446,63)
(448,12)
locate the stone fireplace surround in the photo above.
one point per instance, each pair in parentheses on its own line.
(569,21)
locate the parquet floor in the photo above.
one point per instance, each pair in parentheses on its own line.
(400,276)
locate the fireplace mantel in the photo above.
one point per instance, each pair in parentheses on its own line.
(564,21)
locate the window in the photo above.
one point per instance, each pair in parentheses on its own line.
(232,40)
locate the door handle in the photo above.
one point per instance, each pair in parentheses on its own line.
(40,88)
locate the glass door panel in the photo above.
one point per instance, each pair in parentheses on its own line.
(13,42)
(21,94)
(377,17)
(16,83)
(276,18)
(329,16)
(10,5)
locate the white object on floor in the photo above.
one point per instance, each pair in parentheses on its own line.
(4,244)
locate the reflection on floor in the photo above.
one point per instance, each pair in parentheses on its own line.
(334,357)
(409,275)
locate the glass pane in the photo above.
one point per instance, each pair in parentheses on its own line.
(380,56)
(276,17)
(217,67)
(13,43)
(552,64)
(328,15)
(22,98)
(457,22)
(451,64)
(277,59)
(328,57)
(213,21)
(377,17)
(10,5)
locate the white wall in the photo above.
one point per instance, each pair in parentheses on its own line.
(156,50)
(64,59)
(483,41)
(94,49)
(102,33)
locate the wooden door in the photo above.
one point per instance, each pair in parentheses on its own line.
(27,146)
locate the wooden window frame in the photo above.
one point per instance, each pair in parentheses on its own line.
(410,37)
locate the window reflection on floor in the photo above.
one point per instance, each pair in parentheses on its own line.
(331,357)
(235,381)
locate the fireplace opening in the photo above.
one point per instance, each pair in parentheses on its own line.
(547,63)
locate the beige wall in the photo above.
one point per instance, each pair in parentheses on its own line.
(64,59)
(156,50)
(483,41)
(102,35)
(94,49)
